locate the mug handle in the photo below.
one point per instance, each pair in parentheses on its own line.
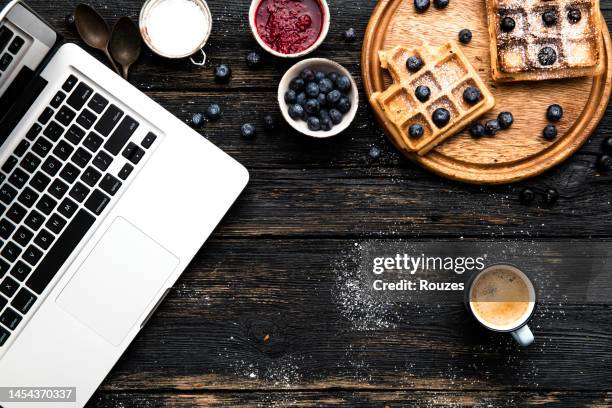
(199,63)
(523,336)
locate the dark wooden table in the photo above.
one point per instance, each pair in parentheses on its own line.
(274,266)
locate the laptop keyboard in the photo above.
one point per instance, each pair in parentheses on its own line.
(54,186)
(10,45)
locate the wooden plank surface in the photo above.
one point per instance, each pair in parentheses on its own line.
(277,264)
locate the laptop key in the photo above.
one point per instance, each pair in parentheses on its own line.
(4,335)
(65,115)
(16,45)
(6,229)
(20,271)
(34,131)
(96,202)
(56,223)
(75,134)
(32,255)
(125,171)
(91,176)
(110,184)
(53,131)
(44,239)
(148,140)
(60,251)
(9,164)
(45,116)
(63,150)
(39,182)
(51,166)
(108,121)
(97,103)
(8,287)
(58,189)
(79,192)
(81,157)
(34,220)
(11,251)
(121,135)
(18,178)
(23,236)
(21,148)
(67,207)
(3,302)
(42,147)
(7,194)
(23,301)
(5,61)
(5,36)
(86,119)
(46,204)
(28,197)
(58,99)
(16,213)
(93,142)
(79,96)
(70,172)
(10,319)
(70,83)
(102,160)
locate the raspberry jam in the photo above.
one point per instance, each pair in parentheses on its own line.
(289,26)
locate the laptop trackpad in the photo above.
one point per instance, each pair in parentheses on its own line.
(121,277)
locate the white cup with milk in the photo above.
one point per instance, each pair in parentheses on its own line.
(176,28)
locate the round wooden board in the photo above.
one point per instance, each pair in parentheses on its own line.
(514,154)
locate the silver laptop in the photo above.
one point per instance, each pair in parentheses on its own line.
(105,198)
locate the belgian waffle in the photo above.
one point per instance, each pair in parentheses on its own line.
(567,47)
(447,73)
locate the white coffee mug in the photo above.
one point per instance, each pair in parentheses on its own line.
(500,299)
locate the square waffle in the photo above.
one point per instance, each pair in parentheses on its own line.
(447,73)
(567,47)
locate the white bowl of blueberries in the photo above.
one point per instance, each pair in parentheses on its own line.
(318,97)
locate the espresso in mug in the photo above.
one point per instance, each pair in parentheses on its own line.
(501,299)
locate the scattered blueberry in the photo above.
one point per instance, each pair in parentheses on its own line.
(325,85)
(527,196)
(551,196)
(607,145)
(440,4)
(296,112)
(269,122)
(253,60)
(421,5)
(312,106)
(197,120)
(314,123)
(604,163)
(440,117)
(301,99)
(334,97)
(213,112)
(549,17)
(319,75)
(248,130)
(290,96)
(574,15)
(465,36)
(492,127)
(477,130)
(335,116)
(422,93)
(550,132)
(322,98)
(416,131)
(350,35)
(297,84)
(414,63)
(375,152)
(326,124)
(547,56)
(554,113)
(344,105)
(505,120)
(69,20)
(507,24)
(223,73)
(307,75)
(471,95)
(312,89)
(343,83)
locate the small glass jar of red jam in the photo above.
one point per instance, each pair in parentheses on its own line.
(289,28)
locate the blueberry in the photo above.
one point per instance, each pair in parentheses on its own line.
(333,76)
(307,75)
(547,56)
(505,120)
(550,132)
(549,17)
(604,163)
(290,96)
(416,131)
(333,98)
(421,5)
(322,98)
(269,122)
(477,130)
(607,145)
(323,113)
(335,116)
(465,36)
(296,112)
(422,93)
(414,63)
(527,196)
(554,113)
(213,112)
(350,35)
(440,4)
(471,95)
(319,75)
(314,123)
(574,15)
(343,83)
(312,107)
(492,127)
(248,130)
(312,89)
(197,120)
(344,105)
(326,124)
(253,60)
(223,73)
(374,152)
(301,99)
(296,84)
(69,20)
(551,196)
(440,117)
(507,24)
(326,85)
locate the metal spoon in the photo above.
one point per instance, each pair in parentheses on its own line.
(93,30)
(125,43)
